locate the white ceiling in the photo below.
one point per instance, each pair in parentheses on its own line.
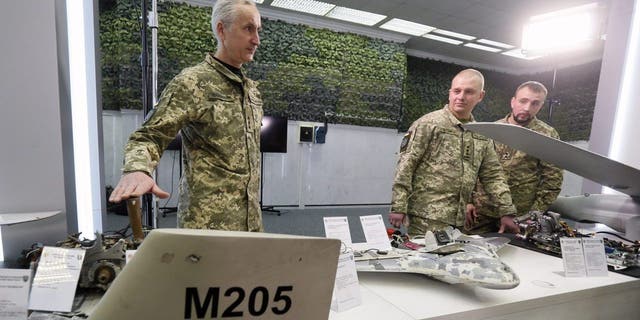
(497,20)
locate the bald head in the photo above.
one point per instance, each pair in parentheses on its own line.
(467,90)
(473,75)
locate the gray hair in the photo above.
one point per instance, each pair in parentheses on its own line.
(534,86)
(225,11)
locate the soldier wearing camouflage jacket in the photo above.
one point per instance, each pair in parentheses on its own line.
(218,112)
(220,115)
(534,183)
(440,162)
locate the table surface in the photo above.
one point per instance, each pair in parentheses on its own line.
(542,282)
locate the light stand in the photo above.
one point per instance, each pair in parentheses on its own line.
(264,208)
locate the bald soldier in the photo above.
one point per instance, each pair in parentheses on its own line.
(218,112)
(440,162)
(534,183)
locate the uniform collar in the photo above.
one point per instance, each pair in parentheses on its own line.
(453,118)
(223,69)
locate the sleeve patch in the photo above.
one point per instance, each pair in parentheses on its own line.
(405,142)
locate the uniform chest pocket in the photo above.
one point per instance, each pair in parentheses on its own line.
(446,146)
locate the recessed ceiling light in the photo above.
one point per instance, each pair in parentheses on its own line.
(307,6)
(356,16)
(443,39)
(453,34)
(517,53)
(481,47)
(496,43)
(408,27)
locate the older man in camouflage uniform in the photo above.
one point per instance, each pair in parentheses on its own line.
(534,183)
(440,162)
(218,111)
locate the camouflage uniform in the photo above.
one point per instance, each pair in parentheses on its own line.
(534,184)
(438,166)
(219,115)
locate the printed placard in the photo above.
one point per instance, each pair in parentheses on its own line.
(594,257)
(14,293)
(346,291)
(375,232)
(54,284)
(337,228)
(573,257)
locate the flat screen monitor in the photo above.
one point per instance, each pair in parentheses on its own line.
(273,134)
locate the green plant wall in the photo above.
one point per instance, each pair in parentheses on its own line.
(574,94)
(304,73)
(120,55)
(311,74)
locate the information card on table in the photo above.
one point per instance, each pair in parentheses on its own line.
(594,257)
(338,228)
(375,232)
(14,293)
(346,290)
(583,257)
(54,284)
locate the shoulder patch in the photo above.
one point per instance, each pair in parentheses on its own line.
(405,142)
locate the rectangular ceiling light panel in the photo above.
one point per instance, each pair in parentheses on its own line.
(306,6)
(408,27)
(442,39)
(481,47)
(355,16)
(453,34)
(495,44)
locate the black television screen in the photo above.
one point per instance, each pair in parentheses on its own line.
(273,134)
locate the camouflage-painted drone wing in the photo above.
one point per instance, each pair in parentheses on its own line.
(472,262)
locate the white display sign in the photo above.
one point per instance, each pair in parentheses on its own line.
(337,228)
(594,257)
(375,232)
(346,291)
(573,257)
(14,293)
(54,284)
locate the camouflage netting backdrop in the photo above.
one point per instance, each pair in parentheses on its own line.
(306,73)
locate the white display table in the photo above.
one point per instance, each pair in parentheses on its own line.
(544,293)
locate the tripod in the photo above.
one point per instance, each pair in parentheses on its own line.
(264,208)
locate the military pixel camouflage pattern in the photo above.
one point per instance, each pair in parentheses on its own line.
(219,116)
(437,171)
(534,184)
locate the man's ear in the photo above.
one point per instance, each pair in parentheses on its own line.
(220,30)
(481,95)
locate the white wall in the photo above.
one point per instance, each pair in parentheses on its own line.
(355,166)
(31,160)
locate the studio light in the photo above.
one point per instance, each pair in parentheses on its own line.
(563,30)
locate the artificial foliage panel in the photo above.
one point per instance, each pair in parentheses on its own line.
(572,95)
(311,74)
(304,73)
(120,55)
(427,89)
